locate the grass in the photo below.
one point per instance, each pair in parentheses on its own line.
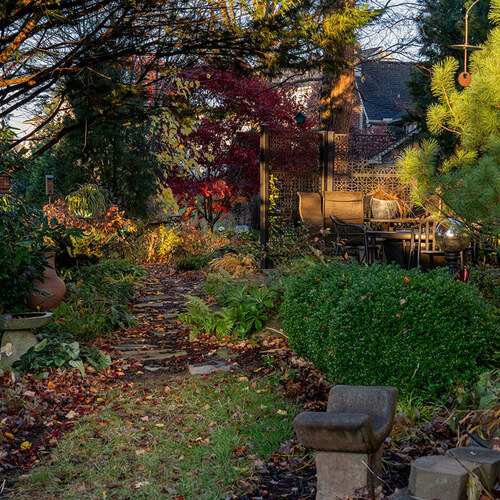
(192,438)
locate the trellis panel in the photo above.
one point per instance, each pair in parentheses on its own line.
(315,161)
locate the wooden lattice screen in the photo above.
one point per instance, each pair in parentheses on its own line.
(322,161)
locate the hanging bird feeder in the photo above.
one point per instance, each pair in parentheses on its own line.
(465,77)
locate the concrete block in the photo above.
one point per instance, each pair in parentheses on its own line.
(403,494)
(348,475)
(440,477)
(488,462)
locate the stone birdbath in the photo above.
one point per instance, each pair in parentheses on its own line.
(18,332)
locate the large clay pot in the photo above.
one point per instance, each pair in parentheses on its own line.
(384,209)
(53,287)
(18,334)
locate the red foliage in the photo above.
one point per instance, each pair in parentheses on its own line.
(230,106)
(108,223)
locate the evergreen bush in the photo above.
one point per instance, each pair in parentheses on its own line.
(382,325)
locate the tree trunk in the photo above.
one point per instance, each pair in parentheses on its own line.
(337,88)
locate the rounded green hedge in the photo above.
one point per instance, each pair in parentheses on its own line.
(383,325)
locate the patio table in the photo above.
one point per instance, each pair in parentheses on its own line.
(389,224)
(396,245)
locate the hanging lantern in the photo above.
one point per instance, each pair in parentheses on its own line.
(300,118)
(4,183)
(49,185)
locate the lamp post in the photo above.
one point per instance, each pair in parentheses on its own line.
(465,78)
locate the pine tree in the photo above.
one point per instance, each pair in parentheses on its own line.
(114,147)
(440,26)
(468,180)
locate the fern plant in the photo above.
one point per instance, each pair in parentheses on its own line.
(203,320)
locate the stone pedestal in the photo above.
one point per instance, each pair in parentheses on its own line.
(348,440)
(348,475)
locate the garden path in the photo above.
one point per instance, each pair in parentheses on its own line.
(161,344)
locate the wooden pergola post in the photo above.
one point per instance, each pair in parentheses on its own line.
(326,159)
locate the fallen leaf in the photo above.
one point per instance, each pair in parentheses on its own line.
(26,445)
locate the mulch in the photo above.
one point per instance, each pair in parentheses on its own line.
(35,413)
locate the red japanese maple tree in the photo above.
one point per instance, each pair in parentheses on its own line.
(230,107)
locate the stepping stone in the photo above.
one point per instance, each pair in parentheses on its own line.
(153,297)
(128,347)
(153,305)
(225,354)
(154,355)
(154,368)
(158,333)
(210,367)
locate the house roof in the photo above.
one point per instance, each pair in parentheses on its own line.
(382,87)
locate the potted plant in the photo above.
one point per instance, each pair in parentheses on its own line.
(386,204)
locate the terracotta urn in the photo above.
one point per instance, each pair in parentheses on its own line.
(18,334)
(51,285)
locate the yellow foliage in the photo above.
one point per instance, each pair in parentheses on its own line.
(160,244)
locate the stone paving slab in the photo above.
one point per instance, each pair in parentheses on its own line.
(211,367)
(133,347)
(155,368)
(152,305)
(154,355)
(152,296)
(225,353)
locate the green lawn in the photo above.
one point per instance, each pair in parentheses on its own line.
(186,440)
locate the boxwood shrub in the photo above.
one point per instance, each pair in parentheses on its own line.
(383,325)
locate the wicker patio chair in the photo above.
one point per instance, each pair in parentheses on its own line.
(310,212)
(344,205)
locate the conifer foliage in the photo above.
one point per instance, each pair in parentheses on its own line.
(468,181)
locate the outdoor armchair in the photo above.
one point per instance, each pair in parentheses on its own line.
(355,239)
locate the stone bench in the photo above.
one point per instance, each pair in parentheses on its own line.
(348,439)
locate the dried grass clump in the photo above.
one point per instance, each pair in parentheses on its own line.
(235,265)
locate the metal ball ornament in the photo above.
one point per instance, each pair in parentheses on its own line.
(450,236)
